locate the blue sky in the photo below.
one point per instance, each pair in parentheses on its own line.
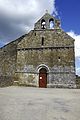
(68,10)
(17,17)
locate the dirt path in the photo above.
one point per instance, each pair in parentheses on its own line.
(23,103)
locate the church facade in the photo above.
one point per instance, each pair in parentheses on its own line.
(42,58)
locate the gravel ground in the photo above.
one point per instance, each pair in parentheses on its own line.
(24,103)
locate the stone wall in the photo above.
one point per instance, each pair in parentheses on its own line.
(57,53)
(50,57)
(6,81)
(8,56)
(52,38)
(78,81)
(61,72)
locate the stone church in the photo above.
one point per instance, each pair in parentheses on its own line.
(42,58)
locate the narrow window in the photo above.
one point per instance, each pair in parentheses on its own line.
(42,40)
(35,34)
(59,59)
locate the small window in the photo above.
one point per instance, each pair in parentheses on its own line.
(42,40)
(59,59)
(35,34)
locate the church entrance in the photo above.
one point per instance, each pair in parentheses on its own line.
(43,78)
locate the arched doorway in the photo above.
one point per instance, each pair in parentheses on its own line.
(42,78)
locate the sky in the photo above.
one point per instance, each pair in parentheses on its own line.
(17,17)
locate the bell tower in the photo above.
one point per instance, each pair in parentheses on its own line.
(47,22)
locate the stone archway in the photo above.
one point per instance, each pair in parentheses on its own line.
(42,78)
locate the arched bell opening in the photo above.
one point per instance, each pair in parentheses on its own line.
(51,23)
(43,24)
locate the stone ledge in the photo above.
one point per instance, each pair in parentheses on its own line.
(61,86)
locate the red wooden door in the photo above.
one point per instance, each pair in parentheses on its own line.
(43,78)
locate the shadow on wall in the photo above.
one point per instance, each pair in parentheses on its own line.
(78,81)
(6,81)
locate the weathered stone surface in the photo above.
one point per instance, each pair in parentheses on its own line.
(8,56)
(43,47)
(6,81)
(78,81)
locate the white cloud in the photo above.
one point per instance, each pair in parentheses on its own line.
(78,71)
(26,9)
(19,16)
(77,61)
(77,42)
(77,50)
